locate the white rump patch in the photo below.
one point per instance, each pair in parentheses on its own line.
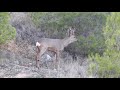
(38,44)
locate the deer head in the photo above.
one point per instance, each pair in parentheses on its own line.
(71,34)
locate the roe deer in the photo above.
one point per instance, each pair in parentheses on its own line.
(54,45)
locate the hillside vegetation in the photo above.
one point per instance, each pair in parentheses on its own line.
(95,54)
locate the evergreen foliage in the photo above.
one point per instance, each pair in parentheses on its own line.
(7,32)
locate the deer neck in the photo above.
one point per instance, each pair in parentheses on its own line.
(66,41)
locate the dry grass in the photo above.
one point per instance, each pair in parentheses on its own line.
(66,69)
(10,46)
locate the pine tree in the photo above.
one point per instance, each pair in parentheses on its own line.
(108,65)
(7,32)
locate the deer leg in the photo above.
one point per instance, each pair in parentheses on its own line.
(54,61)
(57,59)
(37,55)
(42,51)
(38,59)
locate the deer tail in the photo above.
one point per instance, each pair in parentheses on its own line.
(38,44)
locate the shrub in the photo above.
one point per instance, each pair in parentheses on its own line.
(7,32)
(108,64)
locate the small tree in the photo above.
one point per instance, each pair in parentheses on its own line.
(108,65)
(7,32)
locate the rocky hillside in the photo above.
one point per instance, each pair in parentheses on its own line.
(15,66)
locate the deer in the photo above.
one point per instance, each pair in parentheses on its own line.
(54,45)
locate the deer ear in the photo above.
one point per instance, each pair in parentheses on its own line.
(68,33)
(73,32)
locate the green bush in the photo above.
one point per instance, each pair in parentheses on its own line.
(88,26)
(7,32)
(108,64)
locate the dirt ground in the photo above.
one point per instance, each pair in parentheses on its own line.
(15,66)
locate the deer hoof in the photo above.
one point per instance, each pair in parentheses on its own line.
(38,67)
